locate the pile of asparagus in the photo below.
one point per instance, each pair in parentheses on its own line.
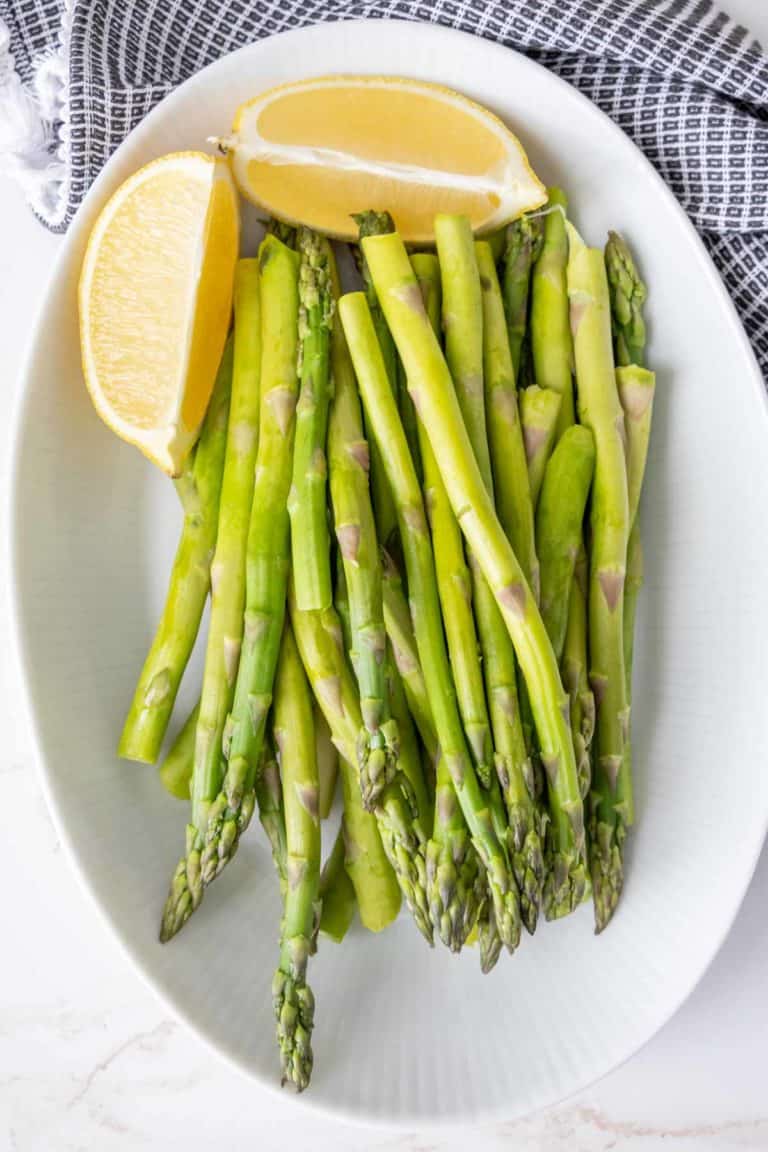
(414,508)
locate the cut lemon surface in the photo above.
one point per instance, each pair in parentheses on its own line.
(320,150)
(156,301)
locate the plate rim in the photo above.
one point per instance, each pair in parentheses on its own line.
(344,1112)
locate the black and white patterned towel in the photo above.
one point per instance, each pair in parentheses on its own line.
(686,83)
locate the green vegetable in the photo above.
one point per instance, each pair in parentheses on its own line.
(431,387)
(551,344)
(293,1001)
(337,894)
(539,412)
(523,244)
(599,409)
(267,560)
(227,594)
(422,586)
(310,543)
(320,643)
(199,488)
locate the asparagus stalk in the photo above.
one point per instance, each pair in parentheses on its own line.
(410,760)
(628,296)
(576,673)
(310,543)
(509,761)
(327,763)
(455,592)
(397,621)
(176,769)
(374,224)
(227,595)
(473,892)
(200,489)
(431,387)
(176,774)
(385,789)
(634,584)
(453,582)
(559,520)
(551,344)
(600,410)
(409,420)
(520,772)
(559,517)
(462,280)
(515,510)
(319,640)
(402,831)
(269,799)
(509,463)
(636,387)
(636,390)
(523,244)
(422,586)
(463,324)
(377,749)
(539,412)
(267,559)
(337,894)
(292,997)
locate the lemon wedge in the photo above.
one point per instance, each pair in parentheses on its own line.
(156,301)
(317,151)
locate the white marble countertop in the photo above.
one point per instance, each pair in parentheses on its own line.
(90,1060)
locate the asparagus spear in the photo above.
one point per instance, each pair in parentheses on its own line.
(377,748)
(453,581)
(422,585)
(523,244)
(636,390)
(337,894)
(576,673)
(460,267)
(267,559)
(310,543)
(628,295)
(510,759)
(269,799)
(515,510)
(199,488)
(551,344)
(227,595)
(319,640)
(539,412)
(385,789)
(472,890)
(292,997)
(176,769)
(397,620)
(600,410)
(176,774)
(402,831)
(559,518)
(409,420)
(327,763)
(431,387)
(373,224)
(410,759)
(636,387)
(509,463)
(455,592)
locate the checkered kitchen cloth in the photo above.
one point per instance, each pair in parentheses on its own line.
(686,83)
